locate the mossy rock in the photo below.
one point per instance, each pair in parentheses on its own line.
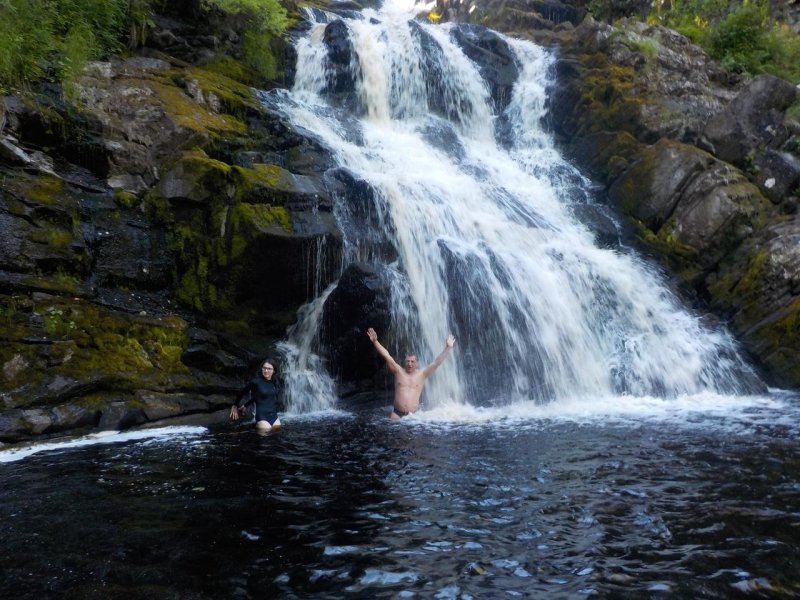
(757,290)
(608,98)
(215,248)
(197,177)
(42,226)
(82,342)
(186,112)
(681,259)
(263,218)
(777,342)
(233,97)
(607,154)
(697,209)
(272,184)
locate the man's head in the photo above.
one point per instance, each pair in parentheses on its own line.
(410,363)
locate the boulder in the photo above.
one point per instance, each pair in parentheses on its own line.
(758,288)
(751,122)
(777,174)
(343,70)
(495,60)
(360,300)
(18,425)
(120,414)
(196,178)
(696,205)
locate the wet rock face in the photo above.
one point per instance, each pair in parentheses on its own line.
(361,300)
(759,290)
(691,200)
(343,71)
(44,122)
(494,58)
(752,121)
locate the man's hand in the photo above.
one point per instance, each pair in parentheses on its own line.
(373,337)
(451,340)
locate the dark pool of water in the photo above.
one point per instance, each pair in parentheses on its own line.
(352,506)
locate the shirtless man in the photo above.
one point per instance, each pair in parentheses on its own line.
(408,380)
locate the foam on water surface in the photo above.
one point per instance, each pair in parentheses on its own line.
(156,435)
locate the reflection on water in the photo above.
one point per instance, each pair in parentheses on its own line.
(692,504)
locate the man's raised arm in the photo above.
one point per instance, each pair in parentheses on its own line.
(428,371)
(390,362)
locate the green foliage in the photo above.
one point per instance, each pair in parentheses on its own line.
(24,41)
(78,47)
(55,38)
(599,9)
(264,16)
(47,37)
(139,22)
(693,18)
(738,41)
(744,38)
(783,46)
(648,46)
(125,200)
(258,53)
(266,22)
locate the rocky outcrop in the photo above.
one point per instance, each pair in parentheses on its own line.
(494,58)
(161,227)
(758,288)
(695,208)
(752,120)
(360,300)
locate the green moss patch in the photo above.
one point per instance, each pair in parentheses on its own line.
(263,216)
(188,113)
(80,341)
(680,258)
(46,189)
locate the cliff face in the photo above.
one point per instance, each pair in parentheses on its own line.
(158,226)
(161,226)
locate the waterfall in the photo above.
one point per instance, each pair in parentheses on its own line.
(479,210)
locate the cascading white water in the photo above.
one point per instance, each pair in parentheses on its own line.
(486,242)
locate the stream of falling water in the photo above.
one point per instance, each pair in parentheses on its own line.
(478,208)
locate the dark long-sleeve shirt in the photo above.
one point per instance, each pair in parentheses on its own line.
(265,395)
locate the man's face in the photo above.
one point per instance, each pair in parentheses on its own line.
(410,363)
